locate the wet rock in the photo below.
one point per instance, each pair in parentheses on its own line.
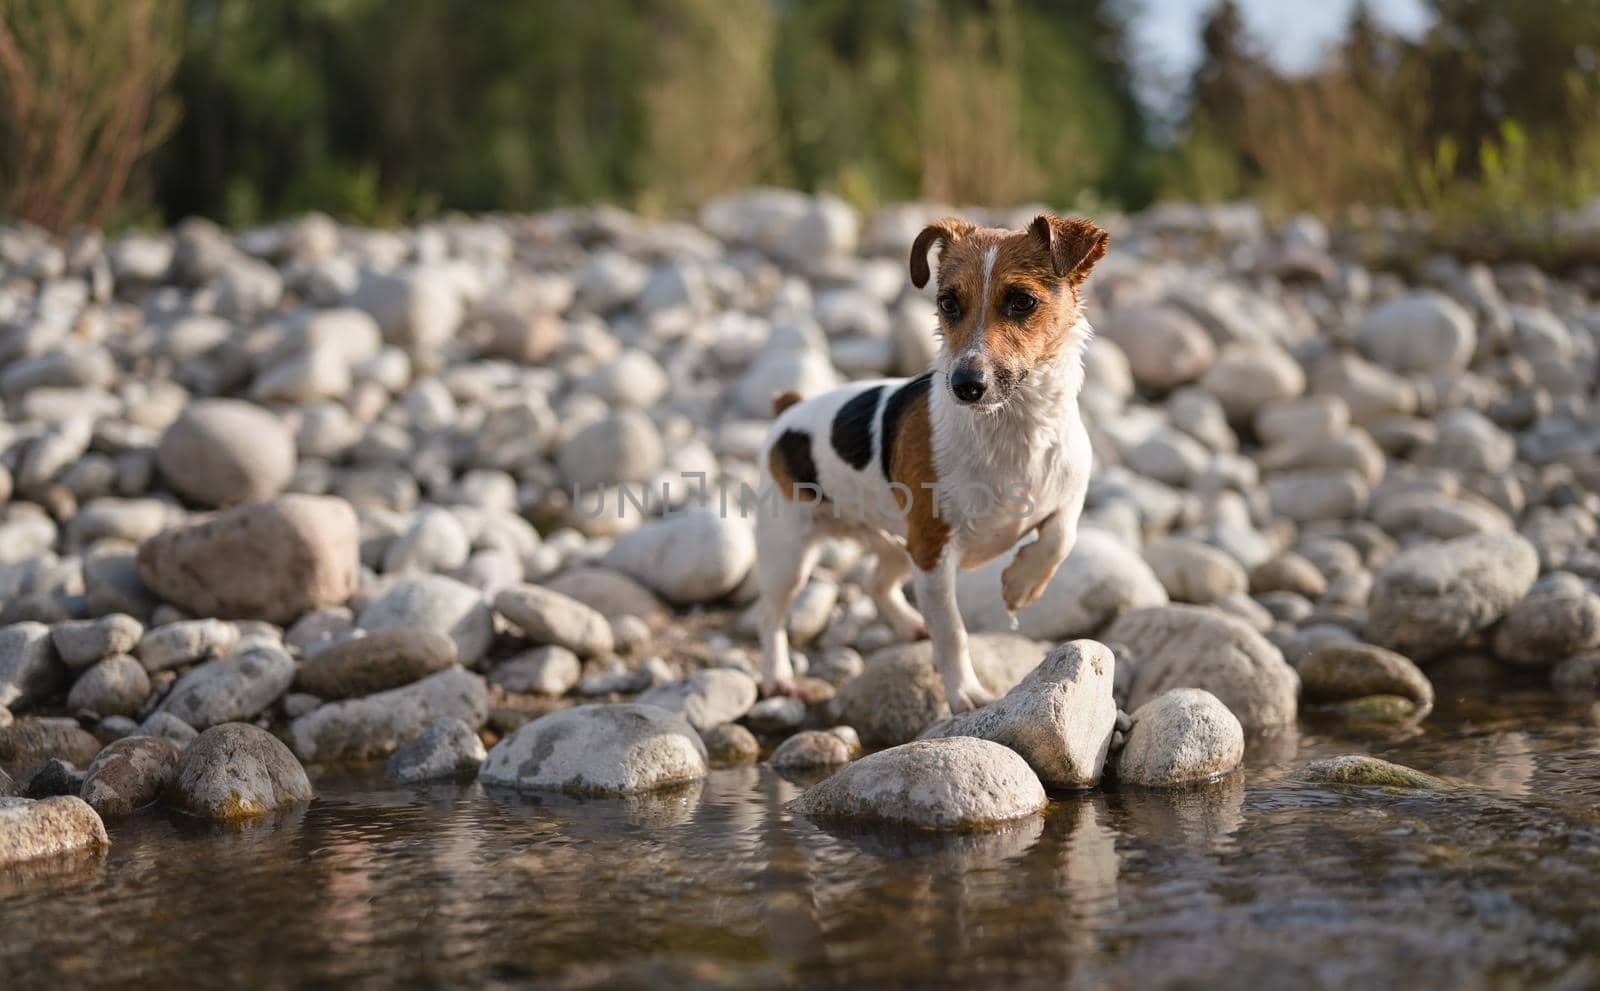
(691,557)
(814,748)
(1558,618)
(53,778)
(599,750)
(1100,580)
(434,602)
(375,725)
(1339,672)
(1180,737)
(1059,718)
(1422,331)
(222,452)
(730,745)
(374,663)
(1359,769)
(30,671)
(705,698)
(552,618)
(27,743)
(272,560)
(178,644)
(1431,599)
(1194,572)
(231,689)
(1193,647)
(900,694)
(30,830)
(80,643)
(237,771)
(951,783)
(117,686)
(1578,674)
(551,671)
(448,748)
(130,774)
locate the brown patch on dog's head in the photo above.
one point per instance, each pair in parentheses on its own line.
(1007,300)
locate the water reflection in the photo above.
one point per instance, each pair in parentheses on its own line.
(1256,879)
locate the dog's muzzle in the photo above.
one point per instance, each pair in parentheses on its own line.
(969,380)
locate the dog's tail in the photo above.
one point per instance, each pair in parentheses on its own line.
(783,400)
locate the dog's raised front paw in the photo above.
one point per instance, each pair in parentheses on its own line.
(1021,585)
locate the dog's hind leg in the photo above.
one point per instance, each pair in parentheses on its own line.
(885,586)
(786,550)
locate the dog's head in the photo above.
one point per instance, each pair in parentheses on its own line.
(1007,300)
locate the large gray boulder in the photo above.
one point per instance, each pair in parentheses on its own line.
(376,725)
(1060,718)
(1178,738)
(32,829)
(229,689)
(900,694)
(599,750)
(950,783)
(237,771)
(274,560)
(690,557)
(222,452)
(1431,599)
(1195,647)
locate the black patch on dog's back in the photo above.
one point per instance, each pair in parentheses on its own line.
(794,447)
(895,409)
(852,428)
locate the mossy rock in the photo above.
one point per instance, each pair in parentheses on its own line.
(1359,769)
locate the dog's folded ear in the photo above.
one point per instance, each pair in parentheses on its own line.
(1074,244)
(947,232)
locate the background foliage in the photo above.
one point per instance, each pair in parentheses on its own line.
(379,111)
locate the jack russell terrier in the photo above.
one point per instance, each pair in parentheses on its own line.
(947,470)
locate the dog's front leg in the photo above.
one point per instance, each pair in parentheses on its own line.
(1026,577)
(936,597)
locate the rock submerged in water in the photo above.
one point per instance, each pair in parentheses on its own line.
(448,748)
(730,745)
(1193,647)
(376,725)
(951,783)
(129,774)
(272,560)
(599,750)
(237,771)
(33,829)
(899,694)
(1059,718)
(1181,737)
(1359,769)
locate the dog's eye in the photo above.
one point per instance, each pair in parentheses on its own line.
(949,306)
(1020,304)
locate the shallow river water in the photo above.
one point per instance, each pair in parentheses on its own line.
(1257,881)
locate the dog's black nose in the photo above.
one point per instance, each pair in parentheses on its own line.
(969,384)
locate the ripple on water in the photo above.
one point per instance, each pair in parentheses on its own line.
(1256,879)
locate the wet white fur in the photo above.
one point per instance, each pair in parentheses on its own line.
(1036,439)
